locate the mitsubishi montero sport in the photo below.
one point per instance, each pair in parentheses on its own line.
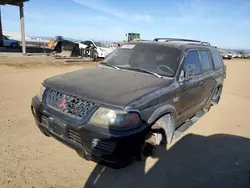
(109,113)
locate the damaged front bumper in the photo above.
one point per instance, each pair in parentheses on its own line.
(113,148)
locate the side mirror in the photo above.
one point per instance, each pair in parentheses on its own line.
(182,77)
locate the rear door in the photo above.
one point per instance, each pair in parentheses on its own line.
(207,73)
(219,69)
(192,85)
(218,64)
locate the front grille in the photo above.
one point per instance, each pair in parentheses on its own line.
(74,136)
(69,105)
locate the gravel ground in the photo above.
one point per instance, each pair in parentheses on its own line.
(214,152)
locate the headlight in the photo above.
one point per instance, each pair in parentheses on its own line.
(40,94)
(114,118)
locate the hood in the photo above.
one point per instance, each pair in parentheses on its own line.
(106,50)
(12,40)
(106,85)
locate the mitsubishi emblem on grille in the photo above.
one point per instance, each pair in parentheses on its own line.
(63,104)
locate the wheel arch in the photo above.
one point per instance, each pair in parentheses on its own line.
(160,112)
(12,43)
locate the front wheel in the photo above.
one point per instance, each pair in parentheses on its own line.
(95,56)
(14,45)
(166,127)
(161,134)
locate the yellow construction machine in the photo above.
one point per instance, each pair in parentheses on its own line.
(132,36)
(52,42)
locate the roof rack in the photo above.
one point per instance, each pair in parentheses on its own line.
(183,40)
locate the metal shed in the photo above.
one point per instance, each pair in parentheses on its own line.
(20,4)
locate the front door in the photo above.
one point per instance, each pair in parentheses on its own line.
(192,85)
(6,41)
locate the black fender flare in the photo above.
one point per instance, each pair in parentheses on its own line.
(160,112)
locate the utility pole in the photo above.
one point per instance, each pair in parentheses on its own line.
(1,30)
(22,28)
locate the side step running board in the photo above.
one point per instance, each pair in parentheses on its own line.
(178,132)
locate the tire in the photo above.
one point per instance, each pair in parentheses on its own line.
(14,45)
(95,56)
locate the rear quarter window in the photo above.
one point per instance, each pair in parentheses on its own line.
(217,60)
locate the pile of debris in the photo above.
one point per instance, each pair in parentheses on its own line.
(69,49)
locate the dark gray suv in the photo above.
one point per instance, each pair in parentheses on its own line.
(135,99)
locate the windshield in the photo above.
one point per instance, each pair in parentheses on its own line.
(132,36)
(162,60)
(6,37)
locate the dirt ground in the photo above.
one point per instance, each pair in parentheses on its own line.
(41,60)
(214,152)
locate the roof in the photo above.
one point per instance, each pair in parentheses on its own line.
(12,2)
(183,45)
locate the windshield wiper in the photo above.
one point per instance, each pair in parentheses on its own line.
(113,66)
(145,71)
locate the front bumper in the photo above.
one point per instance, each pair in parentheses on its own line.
(113,148)
(102,55)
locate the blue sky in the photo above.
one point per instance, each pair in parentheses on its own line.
(225,23)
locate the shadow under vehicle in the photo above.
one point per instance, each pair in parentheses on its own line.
(219,160)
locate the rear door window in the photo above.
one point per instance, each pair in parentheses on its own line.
(206,62)
(218,63)
(192,64)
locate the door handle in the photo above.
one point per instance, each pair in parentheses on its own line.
(201,84)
